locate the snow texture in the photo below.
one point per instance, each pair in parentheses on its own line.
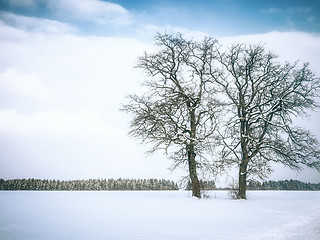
(280,215)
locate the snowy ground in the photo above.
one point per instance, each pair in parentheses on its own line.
(158,215)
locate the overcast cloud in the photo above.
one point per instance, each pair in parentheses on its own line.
(66,67)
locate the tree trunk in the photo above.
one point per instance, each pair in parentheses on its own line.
(243,180)
(193,172)
(192,155)
(244,133)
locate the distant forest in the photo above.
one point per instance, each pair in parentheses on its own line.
(140,185)
(87,185)
(283,185)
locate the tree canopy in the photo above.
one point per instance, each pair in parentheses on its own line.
(263,96)
(178,111)
(211,107)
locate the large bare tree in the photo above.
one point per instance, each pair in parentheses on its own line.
(177,111)
(264,97)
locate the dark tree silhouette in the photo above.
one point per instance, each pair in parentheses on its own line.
(177,112)
(263,97)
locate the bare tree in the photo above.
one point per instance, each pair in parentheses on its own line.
(263,99)
(177,113)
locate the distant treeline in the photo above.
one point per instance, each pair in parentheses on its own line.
(283,185)
(120,184)
(87,185)
(204,185)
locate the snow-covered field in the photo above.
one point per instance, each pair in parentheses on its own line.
(158,215)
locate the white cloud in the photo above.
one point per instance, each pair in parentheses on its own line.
(271,10)
(99,12)
(295,10)
(34,24)
(311,18)
(9,32)
(64,145)
(81,127)
(289,10)
(16,83)
(53,123)
(290,46)
(72,73)
(151,30)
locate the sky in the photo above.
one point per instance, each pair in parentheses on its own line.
(67,66)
